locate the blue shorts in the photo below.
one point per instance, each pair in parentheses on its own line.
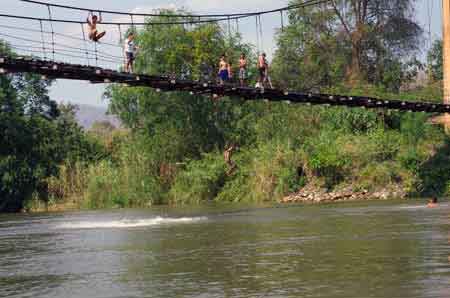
(223,75)
(130,56)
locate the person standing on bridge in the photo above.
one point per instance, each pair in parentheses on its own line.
(267,79)
(230,71)
(223,70)
(262,68)
(242,69)
(130,52)
(92,21)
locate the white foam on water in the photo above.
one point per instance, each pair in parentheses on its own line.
(413,207)
(123,224)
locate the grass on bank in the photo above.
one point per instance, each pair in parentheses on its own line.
(286,148)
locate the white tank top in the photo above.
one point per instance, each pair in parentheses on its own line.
(129,46)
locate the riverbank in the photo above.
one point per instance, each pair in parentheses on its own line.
(313,194)
(309,194)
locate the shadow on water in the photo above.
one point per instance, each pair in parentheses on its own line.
(435,173)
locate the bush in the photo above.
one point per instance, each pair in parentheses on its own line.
(266,173)
(200,181)
(326,158)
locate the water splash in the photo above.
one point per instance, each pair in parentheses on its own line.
(121,224)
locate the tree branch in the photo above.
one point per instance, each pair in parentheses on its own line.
(341,18)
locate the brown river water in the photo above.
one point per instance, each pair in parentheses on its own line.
(370,249)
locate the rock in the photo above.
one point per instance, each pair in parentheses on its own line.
(318,195)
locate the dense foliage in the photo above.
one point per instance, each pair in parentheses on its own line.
(171,147)
(35,137)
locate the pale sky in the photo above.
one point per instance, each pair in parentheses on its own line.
(85,93)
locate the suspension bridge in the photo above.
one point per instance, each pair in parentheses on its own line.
(43,54)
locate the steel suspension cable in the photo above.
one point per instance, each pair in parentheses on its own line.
(56,44)
(58,51)
(26,49)
(261,33)
(209,18)
(257,37)
(61,52)
(226,15)
(96,53)
(133,29)
(121,43)
(53,31)
(229,30)
(43,40)
(48,32)
(85,44)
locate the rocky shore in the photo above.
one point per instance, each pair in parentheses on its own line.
(312,194)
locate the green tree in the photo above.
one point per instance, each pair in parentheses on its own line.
(178,124)
(435,61)
(310,54)
(35,136)
(377,30)
(356,41)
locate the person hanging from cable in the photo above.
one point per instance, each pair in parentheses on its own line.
(130,49)
(223,70)
(242,70)
(93,21)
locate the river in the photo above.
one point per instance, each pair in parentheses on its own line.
(371,249)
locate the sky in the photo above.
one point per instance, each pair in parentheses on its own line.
(77,92)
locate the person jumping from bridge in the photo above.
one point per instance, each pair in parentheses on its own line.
(92,21)
(130,52)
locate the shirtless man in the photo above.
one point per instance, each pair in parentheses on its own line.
(230,71)
(242,69)
(227,154)
(262,68)
(223,70)
(92,21)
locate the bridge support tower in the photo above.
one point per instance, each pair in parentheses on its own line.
(446,53)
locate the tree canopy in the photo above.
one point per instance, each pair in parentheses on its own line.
(349,41)
(35,136)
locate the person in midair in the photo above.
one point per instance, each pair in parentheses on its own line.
(93,21)
(227,155)
(130,52)
(242,69)
(223,70)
